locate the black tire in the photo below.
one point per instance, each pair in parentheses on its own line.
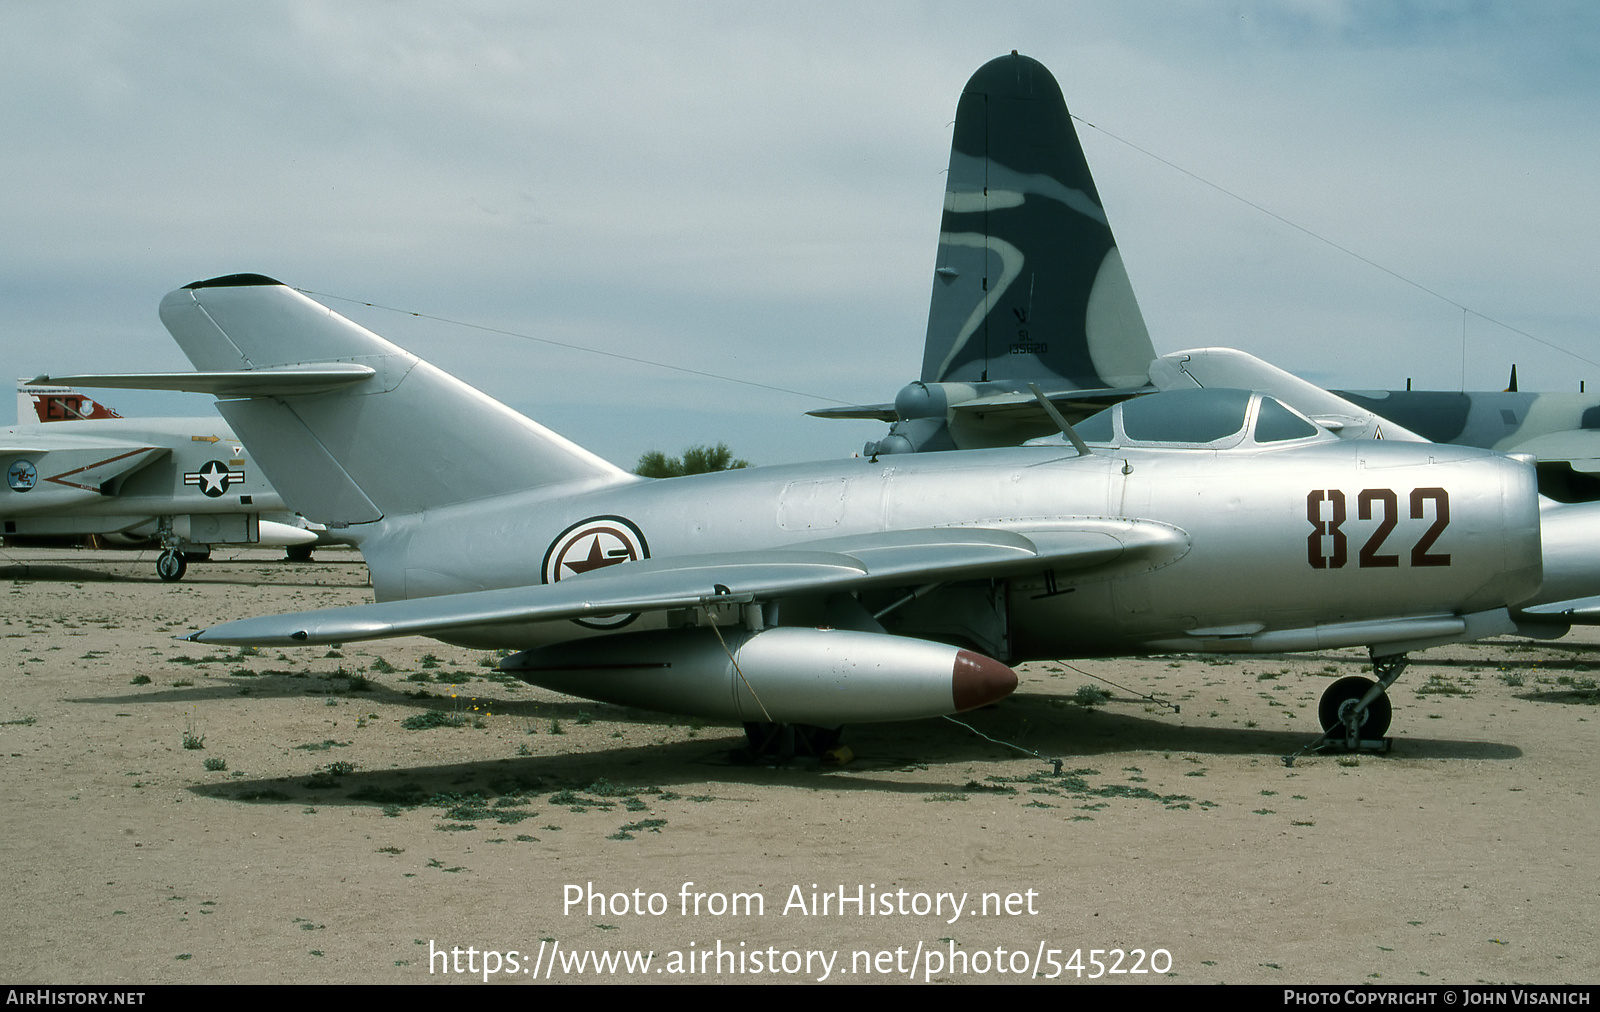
(298,553)
(785,741)
(171,566)
(1347,692)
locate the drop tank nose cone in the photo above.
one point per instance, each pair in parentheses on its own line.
(977,681)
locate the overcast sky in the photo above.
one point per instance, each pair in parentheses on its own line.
(754,189)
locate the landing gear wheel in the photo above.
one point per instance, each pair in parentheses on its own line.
(297,553)
(786,741)
(1346,693)
(171,566)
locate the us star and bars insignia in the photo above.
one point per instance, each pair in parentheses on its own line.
(593,544)
(214,477)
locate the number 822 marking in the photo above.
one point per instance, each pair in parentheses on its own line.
(1326,510)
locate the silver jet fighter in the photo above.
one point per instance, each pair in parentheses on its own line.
(851,590)
(76,468)
(1029,287)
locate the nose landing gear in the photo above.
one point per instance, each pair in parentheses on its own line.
(1355,711)
(1342,714)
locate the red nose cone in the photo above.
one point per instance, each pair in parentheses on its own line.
(978,681)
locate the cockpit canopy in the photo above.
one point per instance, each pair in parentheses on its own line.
(1213,418)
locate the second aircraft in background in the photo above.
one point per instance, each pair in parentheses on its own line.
(76,468)
(1029,287)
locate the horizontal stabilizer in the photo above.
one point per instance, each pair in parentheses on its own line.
(998,399)
(869,412)
(1073,403)
(284,381)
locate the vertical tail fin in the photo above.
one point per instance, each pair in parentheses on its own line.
(1029,284)
(407,438)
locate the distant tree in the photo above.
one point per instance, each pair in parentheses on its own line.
(695,460)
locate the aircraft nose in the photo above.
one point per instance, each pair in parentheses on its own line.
(977,680)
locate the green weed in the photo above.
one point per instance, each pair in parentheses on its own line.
(431,718)
(1089,696)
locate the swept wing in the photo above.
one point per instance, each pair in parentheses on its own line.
(909,558)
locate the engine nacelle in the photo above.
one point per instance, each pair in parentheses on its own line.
(783,675)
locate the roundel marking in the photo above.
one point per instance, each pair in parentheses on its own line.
(591,544)
(213,478)
(22,475)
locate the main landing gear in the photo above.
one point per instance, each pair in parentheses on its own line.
(176,552)
(171,565)
(781,742)
(1355,711)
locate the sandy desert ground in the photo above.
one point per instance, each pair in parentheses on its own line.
(311,835)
